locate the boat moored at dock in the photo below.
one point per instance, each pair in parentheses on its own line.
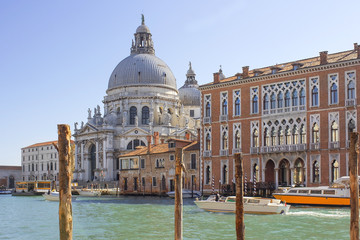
(89,192)
(32,188)
(338,194)
(252,205)
(54,196)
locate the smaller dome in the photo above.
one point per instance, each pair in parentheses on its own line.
(142,29)
(189,96)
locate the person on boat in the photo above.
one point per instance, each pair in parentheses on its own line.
(217,197)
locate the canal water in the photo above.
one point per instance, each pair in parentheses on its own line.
(153,218)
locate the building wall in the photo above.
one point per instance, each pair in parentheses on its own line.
(327,151)
(9,175)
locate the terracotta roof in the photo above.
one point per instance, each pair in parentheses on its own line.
(304,63)
(10,167)
(44,144)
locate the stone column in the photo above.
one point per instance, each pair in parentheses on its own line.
(292,176)
(276,178)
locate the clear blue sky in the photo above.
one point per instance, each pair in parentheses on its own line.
(56,57)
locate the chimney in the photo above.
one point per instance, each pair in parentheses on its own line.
(156,138)
(355,46)
(149,142)
(198,136)
(187,136)
(216,77)
(357,49)
(245,72)
(323,58)
(162,141)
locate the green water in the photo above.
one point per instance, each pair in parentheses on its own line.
(153,218)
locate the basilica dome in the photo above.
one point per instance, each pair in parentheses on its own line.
(189,94)
(142,67)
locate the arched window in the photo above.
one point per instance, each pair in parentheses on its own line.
(280,100)
(207,109)
(333,94)
(145,115)
(255,104)
(208,142)
(273,101)
(266,137)
(302,97)
(287,135)
(133,113)
(334,132)
(255,137)
(266,102)
(298,172)
(315,96)
(295,98)
(273,137)
(135,143)
(224,107)
(302,134)
(351,90)
(280,136)
(224,141)
(287,99)
(315,133)
(237,140)
(334,170)
(207,177)
(295,135)
(237,106)
(316,172)
(225,171)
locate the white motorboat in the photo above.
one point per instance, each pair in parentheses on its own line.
(89,193)
(54,196)
(186,194)
(252,205)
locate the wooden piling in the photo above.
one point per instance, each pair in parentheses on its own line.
(354,187)
(65,207)
(178,194)
(240,226)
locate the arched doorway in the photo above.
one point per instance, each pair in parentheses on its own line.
(92,161)
(11,182)
(284,173)
(299,176)
(270,172)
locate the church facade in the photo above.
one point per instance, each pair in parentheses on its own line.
(141,100)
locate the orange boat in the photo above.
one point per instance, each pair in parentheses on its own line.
(338,194)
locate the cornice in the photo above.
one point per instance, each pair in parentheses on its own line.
(290,73)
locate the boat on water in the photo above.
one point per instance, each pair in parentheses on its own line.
(337,194)
(89,192)
(5,191)
(186,194)
(252,205)
(54,196)
(31,188)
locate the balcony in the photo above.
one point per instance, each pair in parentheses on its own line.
(254,150)
(350,102)
(207,120)
(302,108)
(236,150)
(265,112)
(224,152)
(334,145)
(283,148)
(207,153)
(223,118)
(314,146)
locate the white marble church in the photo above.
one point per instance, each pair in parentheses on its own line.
(141,100)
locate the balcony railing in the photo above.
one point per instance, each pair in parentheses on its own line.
(254,150)
(207,153)
(223,118)
(236,150)
(224,152)
(334,145)
(207,120)
(283,148)
(350,102)
(314,146)
(347,143)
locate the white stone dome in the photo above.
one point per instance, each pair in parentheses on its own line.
(140,70)
(143,29)
(189,96)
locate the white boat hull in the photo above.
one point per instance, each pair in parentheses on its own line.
(54,197)
(249,208)
(89,193)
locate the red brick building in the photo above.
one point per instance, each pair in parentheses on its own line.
(291,121)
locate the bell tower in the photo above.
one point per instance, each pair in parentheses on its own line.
(143,41)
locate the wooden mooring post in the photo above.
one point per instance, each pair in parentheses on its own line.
(65,173)
(354,187)
(178,194)
(239,179)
